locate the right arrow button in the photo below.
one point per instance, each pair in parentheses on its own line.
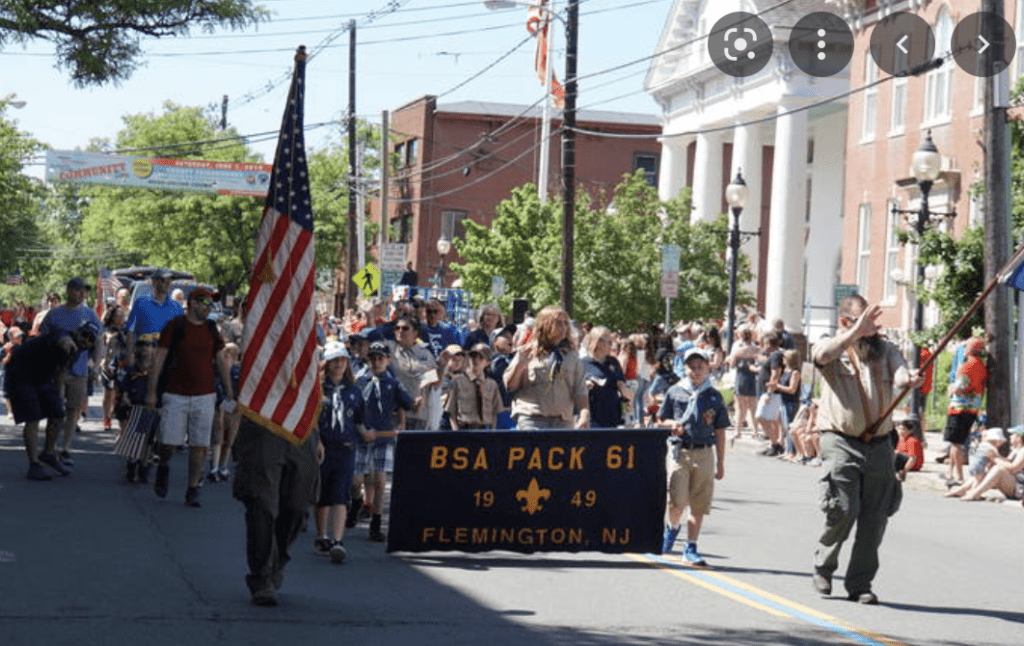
(983,44)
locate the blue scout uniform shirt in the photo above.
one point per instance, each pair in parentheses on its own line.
(696,428)
(605,402)
(342,409)
(382,397)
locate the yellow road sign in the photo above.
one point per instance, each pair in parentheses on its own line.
(368,280)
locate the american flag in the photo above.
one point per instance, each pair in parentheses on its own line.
(279,387)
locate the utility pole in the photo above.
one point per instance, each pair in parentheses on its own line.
(224,113)
(997,239)
(350,267)
(569,151)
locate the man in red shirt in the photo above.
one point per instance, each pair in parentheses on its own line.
(190,346)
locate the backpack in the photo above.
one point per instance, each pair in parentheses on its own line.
(171,361)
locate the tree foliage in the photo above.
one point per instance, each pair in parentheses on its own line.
(210,236)
(959,281)
(617,256)
(100,42)
(19,228)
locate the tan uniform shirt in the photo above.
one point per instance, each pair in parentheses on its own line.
(540,395)
(468,407)
(842,407)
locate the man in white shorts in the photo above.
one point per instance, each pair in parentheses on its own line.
(188,349)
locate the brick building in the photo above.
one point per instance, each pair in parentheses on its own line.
(459,160)
(886,125)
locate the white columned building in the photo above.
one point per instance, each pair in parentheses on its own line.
(774,126)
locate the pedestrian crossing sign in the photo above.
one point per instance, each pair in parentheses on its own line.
(368,280)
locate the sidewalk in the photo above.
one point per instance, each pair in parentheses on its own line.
(931,477)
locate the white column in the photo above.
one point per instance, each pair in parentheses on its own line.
(823,245)
(746,156)
(707,178)
(672,173)
(785,280)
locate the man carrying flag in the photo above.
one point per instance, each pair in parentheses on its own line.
(279,390)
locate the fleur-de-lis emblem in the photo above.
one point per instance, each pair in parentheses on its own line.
(532,496)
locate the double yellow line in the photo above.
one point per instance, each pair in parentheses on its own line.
(764,601)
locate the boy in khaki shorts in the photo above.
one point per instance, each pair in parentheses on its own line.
(698,417)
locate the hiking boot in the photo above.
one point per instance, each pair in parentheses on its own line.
(691,556)
(377,536)
(37,472)
(163,474)
(322,546)
(338,552)
(352,517)
(192,497)
(50,460)
(669,539)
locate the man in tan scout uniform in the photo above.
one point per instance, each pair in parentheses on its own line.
(861,370)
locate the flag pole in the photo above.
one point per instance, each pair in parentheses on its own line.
(944,341)
(545,130)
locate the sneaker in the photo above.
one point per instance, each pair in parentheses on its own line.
(163,473)
(691,556)
(224,474)
(212,476)
(338,552)
(50,460)
(107,424)
(866,598)
(822,582)
(37,472)
(192,497)
(322,546)
(66,459)
(669,539)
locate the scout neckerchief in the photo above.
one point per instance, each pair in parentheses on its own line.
(692,412)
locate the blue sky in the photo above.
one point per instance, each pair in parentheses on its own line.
(406,48)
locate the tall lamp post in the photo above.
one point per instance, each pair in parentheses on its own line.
(925,166)
(444,245)
(736,196)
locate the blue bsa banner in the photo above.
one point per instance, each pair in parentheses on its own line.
(525,491)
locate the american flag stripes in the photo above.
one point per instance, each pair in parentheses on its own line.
(279,387)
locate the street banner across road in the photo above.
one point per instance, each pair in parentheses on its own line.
(526,491)
(222,178)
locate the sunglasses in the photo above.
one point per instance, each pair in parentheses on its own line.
(202,301)
(402,328)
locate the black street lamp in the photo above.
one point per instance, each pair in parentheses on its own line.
(925,165)
(444,245)
(736,196)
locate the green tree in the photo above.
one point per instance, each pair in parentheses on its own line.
(100,42)
(617,256)
(19,229)
(959,281)
(211,236)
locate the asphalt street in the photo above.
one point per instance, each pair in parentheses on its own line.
(90,559)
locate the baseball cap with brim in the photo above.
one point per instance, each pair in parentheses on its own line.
(378,348)
(336,350)
(361,335)
(694,352)
(77,283)
(201,292)
(994,435)
(1016,430)
(454,348)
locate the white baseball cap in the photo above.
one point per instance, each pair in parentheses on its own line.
(335,350)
